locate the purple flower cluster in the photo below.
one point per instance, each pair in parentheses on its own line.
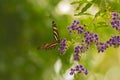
(78,50)
(101,46)
(78,69)
(90,37)
(115,22)
(63,46)
(75,27)
(114,41)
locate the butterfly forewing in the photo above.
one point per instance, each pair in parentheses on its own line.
(55,31)
(56,39)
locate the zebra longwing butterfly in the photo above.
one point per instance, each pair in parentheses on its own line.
(56,39)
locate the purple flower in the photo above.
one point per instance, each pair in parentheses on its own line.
(80,29)
(86,72)
(115,22)
(90,37)
(101,46)
(78,69)
(77,51)
(115,15)
(114,41)
(109,42)
(72,71)
(75,27)
(76,56)
(63,46)
(74,24)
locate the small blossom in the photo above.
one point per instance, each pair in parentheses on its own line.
(109,42)
(79,49)
(72,71)
(115,15)
(86,72)
(80,29)
(76,56)
(76,50)
(116,40)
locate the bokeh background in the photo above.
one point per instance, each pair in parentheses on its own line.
(26,24)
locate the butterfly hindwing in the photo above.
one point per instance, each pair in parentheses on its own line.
(49,45)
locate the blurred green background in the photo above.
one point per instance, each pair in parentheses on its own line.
(26,24)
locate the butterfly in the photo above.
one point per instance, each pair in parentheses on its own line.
(56,39)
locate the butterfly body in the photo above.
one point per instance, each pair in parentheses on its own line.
(56,41)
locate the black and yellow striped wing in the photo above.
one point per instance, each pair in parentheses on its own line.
(49,45)
(56,39)
(55,31)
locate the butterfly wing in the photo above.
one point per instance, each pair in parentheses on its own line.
(56,39)
(55,31)
(49,45)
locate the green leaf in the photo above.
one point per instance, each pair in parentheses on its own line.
(82,14)
(86,7)
(79,2)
